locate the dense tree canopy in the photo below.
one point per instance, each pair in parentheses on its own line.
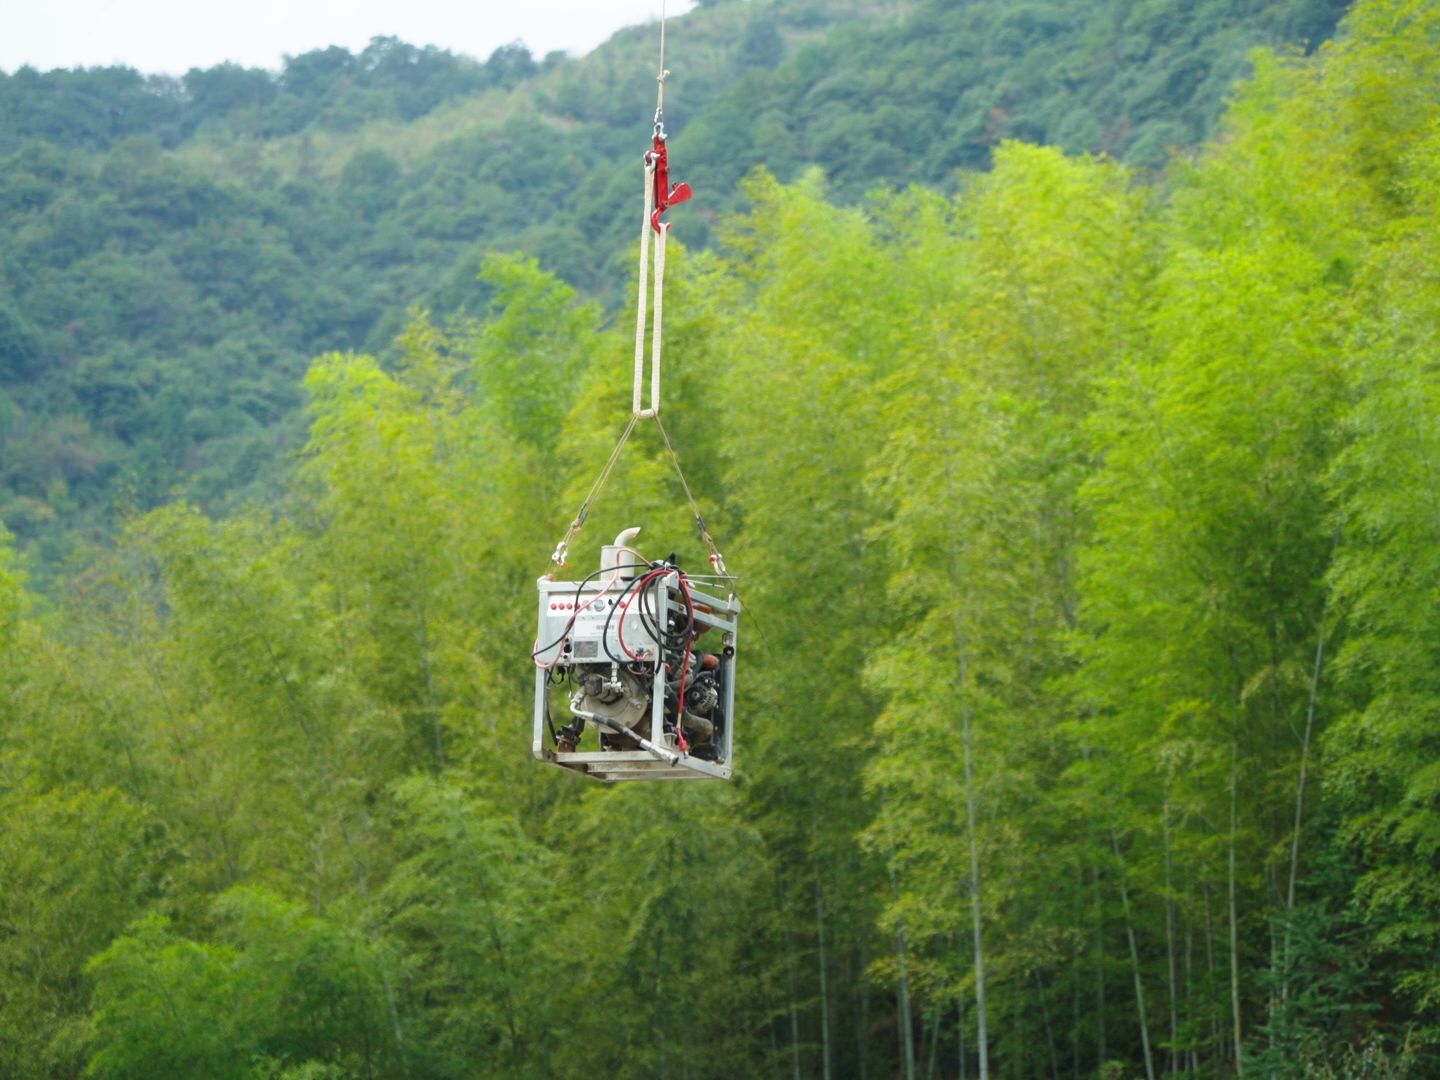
(1087,724)
(173,251)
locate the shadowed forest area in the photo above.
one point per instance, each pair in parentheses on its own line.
(1084,508)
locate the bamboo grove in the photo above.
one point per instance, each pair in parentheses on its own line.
(1087,527)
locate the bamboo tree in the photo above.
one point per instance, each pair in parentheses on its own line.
(825,1054)
(976,919)
(907,1033)
(1233,909)
(1035,495)
(1174,994)
(1141,1019)
(806,340)
(1387,490)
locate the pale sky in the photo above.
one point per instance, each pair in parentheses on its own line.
(171,36)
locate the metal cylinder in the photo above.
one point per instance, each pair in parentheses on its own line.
(619,556)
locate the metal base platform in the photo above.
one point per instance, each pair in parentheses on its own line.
(615,765)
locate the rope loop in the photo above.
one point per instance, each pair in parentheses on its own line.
(658,196)
(562,549)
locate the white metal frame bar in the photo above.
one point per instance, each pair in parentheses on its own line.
(647,231)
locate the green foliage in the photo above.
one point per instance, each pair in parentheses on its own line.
(940,89)
(1383,750)
(1086,541)
(281,990)
(473,901)
(176,249)
(978,487)
(168,1003)
(535,342)
(58,910)
(328,88)
(661,879)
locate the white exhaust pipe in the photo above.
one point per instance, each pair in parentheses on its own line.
(620,555)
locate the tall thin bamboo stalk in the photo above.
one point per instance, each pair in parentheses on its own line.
(1134,963)
(1234,914)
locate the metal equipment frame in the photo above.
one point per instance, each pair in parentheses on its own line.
(659,756)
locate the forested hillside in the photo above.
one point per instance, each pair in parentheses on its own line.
(1087,724)
(173,252)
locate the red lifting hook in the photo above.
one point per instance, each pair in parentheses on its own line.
(665,195)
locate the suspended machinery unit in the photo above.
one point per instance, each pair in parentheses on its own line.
(635,664)
(643,660)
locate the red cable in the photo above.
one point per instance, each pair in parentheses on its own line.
(625,610)
(684,667)
(680,739)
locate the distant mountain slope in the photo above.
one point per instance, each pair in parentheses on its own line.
(913,100)
(326,89)
(173,252)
